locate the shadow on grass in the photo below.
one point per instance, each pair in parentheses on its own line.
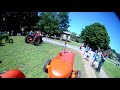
(41,44)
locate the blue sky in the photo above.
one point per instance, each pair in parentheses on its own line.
(79,20)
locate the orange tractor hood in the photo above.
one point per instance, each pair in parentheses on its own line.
(62,65)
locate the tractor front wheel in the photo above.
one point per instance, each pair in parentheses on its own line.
(78,74)
(36,41)
(1,74)
(0,41)
(44,67)
(11,41)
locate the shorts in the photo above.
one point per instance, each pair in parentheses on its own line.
(86,51)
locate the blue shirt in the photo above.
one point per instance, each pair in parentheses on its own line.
(96,56)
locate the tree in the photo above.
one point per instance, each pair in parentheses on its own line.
(15,20)
(53,23)
(64,21)
(110,55)
(73,36)
(96,36)
(49,22)
(117,54)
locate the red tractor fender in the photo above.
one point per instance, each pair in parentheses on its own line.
(14,73)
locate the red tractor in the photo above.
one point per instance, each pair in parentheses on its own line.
(14,73)
(35,38)
(62,66)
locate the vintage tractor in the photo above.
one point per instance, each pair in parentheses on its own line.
(4,35)
(62,65)
(35,38)
(14,73)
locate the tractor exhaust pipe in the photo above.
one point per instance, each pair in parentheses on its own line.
(64,49)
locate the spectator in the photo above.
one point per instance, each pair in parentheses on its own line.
(81,46)
(86,50)
(96,57)
(103,58)
(31,33)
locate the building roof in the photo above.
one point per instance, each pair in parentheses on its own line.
(67,32)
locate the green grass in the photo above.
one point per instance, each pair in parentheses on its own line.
(111,70)
(74,43)
(30,59)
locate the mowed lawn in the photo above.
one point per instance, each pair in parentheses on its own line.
(30,59)
(111,70)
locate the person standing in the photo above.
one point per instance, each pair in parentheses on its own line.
(31,33)
(96,57)
(86,49)
(103,58)
(81,46)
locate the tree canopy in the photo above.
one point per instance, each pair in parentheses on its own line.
(15,20)
(53,23)
(96,36)
(74,37)
(117,54)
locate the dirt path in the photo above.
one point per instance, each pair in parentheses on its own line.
(102,74)
(87,64)
(88,69)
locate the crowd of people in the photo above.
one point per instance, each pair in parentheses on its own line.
(97,58)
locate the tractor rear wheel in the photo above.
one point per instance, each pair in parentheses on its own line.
(0,41)
(36,41)
(41,39)
(46,63)
(27,38)
(78,74)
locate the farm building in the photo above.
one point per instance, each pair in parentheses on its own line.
(65,34)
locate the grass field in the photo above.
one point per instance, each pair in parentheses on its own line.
(111,70)
(30,59)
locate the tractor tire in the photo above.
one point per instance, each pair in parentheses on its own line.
(46,63)
(0,61)
(11,41)
(1,72)
(36,41)
(41,40)
(26,39)
(78,74)
(0,41)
